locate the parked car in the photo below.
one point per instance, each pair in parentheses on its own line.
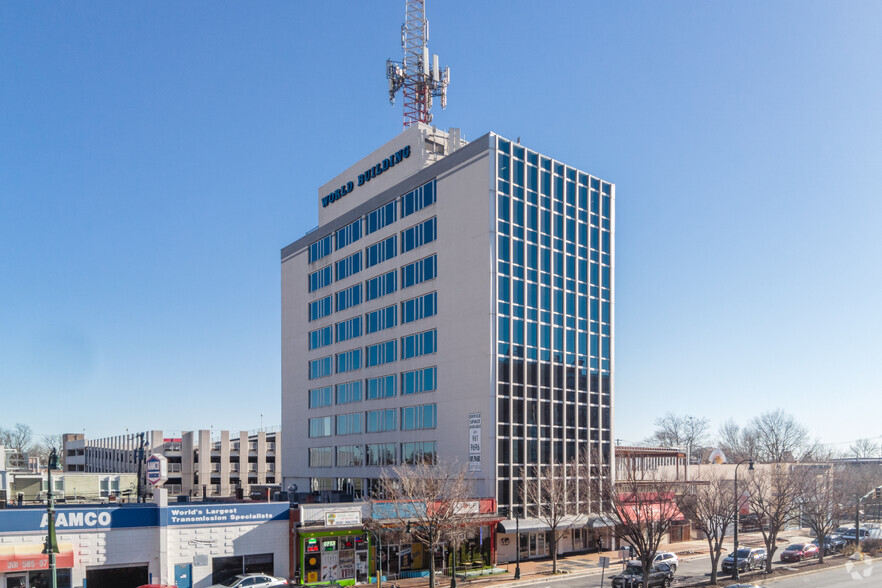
(255,580)
(799,552)
(748,559)
(668,558)
(660,574)
(833,543)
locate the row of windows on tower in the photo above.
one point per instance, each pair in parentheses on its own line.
(373,454)
(412,274)
(414,345)
(411,238)
(373,221)
(376,388)
(413,418)
(376,320)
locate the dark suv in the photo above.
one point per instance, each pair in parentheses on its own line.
(660,574)
(748,559)
(833,543)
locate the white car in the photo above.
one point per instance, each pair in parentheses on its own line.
(667,557)
(255,580)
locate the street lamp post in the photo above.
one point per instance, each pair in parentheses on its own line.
(737,510)
(517,574)
(379,558)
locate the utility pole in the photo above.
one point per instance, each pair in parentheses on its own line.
(50,547)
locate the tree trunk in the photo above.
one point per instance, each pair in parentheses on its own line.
(822,544)
(715,559)
(553,552)
(431,567)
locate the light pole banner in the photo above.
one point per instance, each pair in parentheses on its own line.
(474,441)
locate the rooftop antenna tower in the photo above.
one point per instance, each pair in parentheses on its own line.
(419,79)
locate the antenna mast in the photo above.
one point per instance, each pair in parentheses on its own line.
(420,79)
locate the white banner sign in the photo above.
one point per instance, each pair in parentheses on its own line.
(475,442)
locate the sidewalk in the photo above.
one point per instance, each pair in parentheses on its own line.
(584,564)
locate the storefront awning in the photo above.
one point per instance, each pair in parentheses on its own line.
(600,521)
(23,558)
(529,524)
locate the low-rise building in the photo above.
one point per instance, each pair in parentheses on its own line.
(200,463)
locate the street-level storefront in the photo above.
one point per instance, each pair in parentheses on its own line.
(532,537)
(124,546)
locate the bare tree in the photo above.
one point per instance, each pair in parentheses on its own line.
(18,438)
(863,448)
(643,504)
(43,448)
(686,432)
(774,495)
(823,497)
(552,497)
(780,437)
(736,442)
(428,500)
(708,507)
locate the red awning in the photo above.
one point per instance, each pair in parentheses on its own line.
(24,558)
(650,511)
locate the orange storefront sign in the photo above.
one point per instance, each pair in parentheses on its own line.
(24,558)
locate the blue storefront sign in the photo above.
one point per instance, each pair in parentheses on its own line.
(32,520)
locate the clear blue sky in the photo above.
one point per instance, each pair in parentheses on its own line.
(155,157)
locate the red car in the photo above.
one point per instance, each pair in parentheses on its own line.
(799,552)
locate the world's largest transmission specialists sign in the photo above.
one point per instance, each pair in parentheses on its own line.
(368,174)
(157,469)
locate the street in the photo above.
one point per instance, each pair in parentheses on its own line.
(693,570)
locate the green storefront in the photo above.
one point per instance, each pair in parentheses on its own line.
(330,554)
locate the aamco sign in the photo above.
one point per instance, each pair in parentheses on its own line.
(157,469)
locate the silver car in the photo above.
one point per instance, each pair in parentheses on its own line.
(251,580)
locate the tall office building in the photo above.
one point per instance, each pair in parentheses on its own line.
(455,301)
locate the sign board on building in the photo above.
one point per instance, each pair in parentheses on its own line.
(474,441)
(157,469)
(346,518)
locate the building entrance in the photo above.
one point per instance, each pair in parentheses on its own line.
(16,581)
(129,577)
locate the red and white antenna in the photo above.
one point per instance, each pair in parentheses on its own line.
(420,79)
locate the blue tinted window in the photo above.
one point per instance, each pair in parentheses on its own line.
(320,278)
(349,297)
(419,452)
(349,424)
(381,285)
(379,421)
(380,454)
(419,417)
(382,387)
(419,271)
(419,235)
(320,397)
(376,220)
(320,427)
(349,265)
(418,199)
(418,308)
(320,308)
(348,329)
(349,234)
(417,381)
(348,361)
(319,249)
(383,318)
(419,344)
(319,368)
(380,353)
(380,252)
(320,337)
